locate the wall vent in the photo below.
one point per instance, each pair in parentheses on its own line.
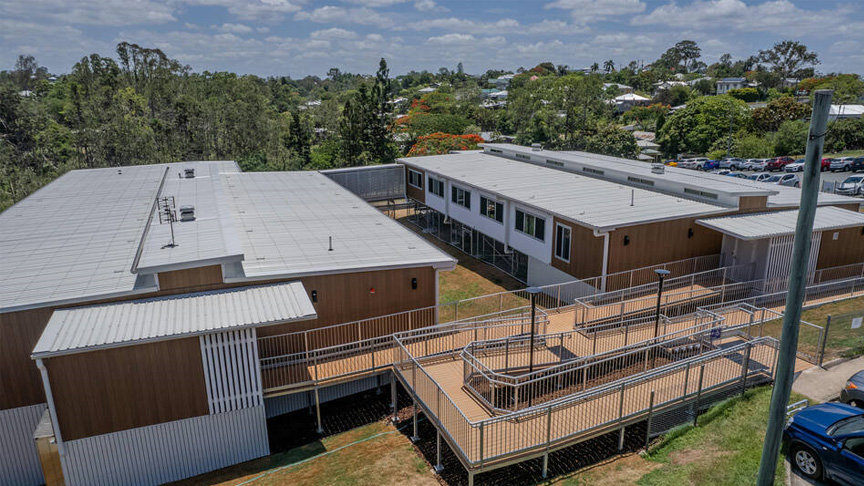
(187,213)
(189,172)
(536,147)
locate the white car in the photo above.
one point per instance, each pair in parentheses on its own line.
(733,163)
(851,186)
(797,166)
(782,179)
(760,176)
(756,164)
(843,163)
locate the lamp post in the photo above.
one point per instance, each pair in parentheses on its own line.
(661,274)
(532,291)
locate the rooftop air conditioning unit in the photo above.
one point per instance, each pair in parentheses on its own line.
(536,147)
(187,213)
(189,172)
(658,168)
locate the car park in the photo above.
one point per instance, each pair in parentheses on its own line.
(797,166)
(826,441)
(778,163)
(853,392)
(851,186)
(842,163)
(733,163)
(857,164)
(757,164)
(759,176)
(790,180)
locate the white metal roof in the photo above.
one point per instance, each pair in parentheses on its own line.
(285,221)
(77,237)
(134,322)
(595,203)
(778,223)
(209,239)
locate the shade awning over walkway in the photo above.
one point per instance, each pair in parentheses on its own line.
(780,223)
(171,317)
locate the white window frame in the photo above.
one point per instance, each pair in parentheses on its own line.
(496,203)
(419,177)
(466,196)
(431,182)
(536,217)
(569,241)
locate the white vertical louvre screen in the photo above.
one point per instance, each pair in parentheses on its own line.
(231,370)
(814,256)
(780,259)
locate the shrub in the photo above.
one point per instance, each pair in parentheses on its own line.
(441,143)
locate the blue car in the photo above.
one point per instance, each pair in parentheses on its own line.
(827,442)
(711,165)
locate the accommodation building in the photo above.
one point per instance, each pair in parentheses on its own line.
(727,84)
(98,276)
(547,217)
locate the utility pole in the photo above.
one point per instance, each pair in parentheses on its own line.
(797,284)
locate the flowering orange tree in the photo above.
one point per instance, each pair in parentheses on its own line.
(441,143)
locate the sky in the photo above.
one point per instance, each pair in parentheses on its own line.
(302,37)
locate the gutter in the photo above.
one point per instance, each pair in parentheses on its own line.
(605,270)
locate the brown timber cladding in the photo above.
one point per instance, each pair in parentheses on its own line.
(848,248)
(115,389)
(659,242)
(341,298)
(586,251)
(413,192)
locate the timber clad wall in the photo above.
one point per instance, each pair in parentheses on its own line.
(586,251)
(660,242)
(413,192)
(752,204)
(189,278)
(20,382)
(846,249)
(105,391)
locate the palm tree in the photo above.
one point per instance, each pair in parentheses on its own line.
(609,66)
(595,67)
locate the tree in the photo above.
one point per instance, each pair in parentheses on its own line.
(791,138)
(442,143)
(610,139)
(27,72)
(689,53)
(748,95)
(771,116)
(459,69)
(595,67)
(696,127)
(609,66)
(788,58)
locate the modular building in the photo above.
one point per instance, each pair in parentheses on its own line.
(547,217)
(131,300)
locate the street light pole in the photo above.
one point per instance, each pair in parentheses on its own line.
(532,291)
(661,274)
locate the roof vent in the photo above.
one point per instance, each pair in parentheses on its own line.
(189,172)
(658,168)
(536,147)
(187,213)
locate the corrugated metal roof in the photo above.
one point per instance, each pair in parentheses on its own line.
(285,220)
(592,202)
(77,237)
(778,223)
(110,325)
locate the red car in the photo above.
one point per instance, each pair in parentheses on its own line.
(826,164)
(778,163)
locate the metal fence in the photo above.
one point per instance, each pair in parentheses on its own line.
(843,337)
(372,183)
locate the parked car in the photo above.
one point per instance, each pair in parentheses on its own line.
(853,393)
(733,163)
(757,164)
(708,165)
(760,176)
(778,163)
(790,180)
(672,163)
(851,186)
(857,164)
(827,442)
(797,166)
(826,164)
(843,163)
(739,175)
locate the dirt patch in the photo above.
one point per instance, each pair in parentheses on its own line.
(694,456)
(620,470)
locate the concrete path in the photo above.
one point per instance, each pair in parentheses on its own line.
(824,385)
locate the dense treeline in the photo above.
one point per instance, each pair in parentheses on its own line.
(142,107)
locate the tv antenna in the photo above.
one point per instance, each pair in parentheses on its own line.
(167,214)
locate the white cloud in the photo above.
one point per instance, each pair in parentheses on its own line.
(232,28)
(91,12)
(262,10)
(339,15)
(334,33)
(429,6)
(375,3)
(586,11)
(501,26)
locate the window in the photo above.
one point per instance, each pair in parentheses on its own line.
(530,225)
(562,242)
(555,163)
(415,179)
(592,171)
(461,197)
(496,151)
(436,186)
(491,209)
(709,195)
(523,156)
(639,180)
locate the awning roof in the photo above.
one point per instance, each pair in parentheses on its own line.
(95,327)
(779,223)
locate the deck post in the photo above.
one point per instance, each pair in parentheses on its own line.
(650,416)
(470,478)
(481,448)
(698,396)
(548,441)
(320,429)
(415,437)
(393,395)
(438,466)
(745,369)
(621,419)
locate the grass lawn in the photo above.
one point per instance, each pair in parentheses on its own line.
(846,153)
(842,339)
(384,456)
